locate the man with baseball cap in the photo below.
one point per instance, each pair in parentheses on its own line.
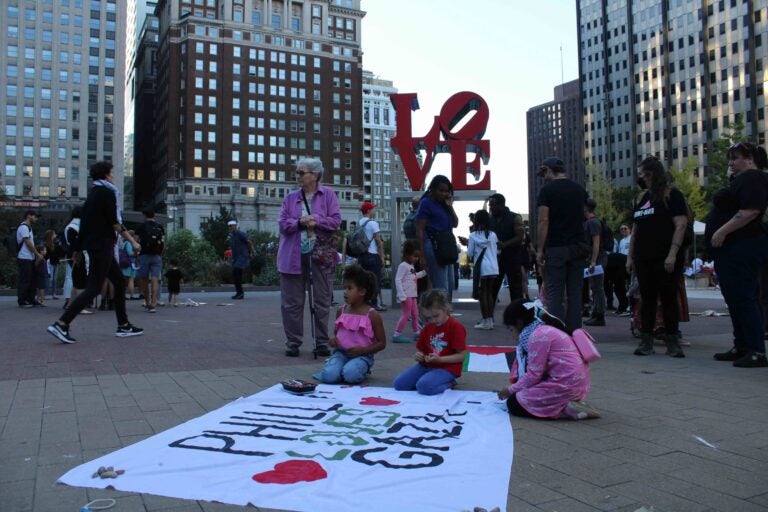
(373,259)
(561,245)
(242,252)
(26,258)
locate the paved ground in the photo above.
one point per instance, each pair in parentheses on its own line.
(676,434)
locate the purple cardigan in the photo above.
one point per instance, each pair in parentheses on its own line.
(325,209)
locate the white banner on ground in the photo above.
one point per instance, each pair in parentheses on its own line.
(339,448)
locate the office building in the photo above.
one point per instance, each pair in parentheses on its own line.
(667,78)
(62,63)
(554,129)
(244,89)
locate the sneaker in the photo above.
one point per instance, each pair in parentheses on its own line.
(238,296)
(124,331)
(60,333)
(733,354)
(581,410)
(621,312)
(416,336)
(86,312)
(26,305)
(401,338)
(751,360)
(151,309)
(323,351)
(39,304)
(480,324)
(292,352)
(380,308)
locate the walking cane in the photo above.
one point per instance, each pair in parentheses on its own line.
(306,260)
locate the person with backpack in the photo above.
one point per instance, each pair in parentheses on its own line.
(77,266)
(657,255)
(100,224)
(128,264)
(372,259)
(593,228)
(27,256)
(152,237)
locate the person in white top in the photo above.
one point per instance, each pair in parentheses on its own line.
(27,258)
(624,242)
(373,260)
(487,269)
(406,284)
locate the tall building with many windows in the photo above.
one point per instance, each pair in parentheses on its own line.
(62,65)
(244,89)
(554,129)
(382,172)
(667,77)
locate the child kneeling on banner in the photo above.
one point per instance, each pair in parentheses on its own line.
(358,331)
(440,350)
(549,377)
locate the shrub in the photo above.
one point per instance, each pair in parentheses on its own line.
(195,256)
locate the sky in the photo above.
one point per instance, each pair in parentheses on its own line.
(507,51)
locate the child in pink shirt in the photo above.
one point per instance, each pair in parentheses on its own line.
(406,285)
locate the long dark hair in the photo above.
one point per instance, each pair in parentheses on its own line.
(658,188)
(438,180)
(516,313)
(483,221)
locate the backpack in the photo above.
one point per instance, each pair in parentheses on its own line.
(10,244)
(60,246)
(409,226)
(124,259)
(606,237)
(155,238)
(357,241)
(585,344)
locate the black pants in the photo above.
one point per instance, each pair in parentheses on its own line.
(26,290)
(102,266)
(237,279)
(510,268)
(658,284)
(616,278)
(515,409)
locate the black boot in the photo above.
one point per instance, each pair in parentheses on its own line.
(645,348)
(673,346)
(596,321)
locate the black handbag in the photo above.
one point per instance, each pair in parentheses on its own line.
(444,245)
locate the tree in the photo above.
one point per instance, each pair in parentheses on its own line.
(215,230)
(624,202)
(717,157)
(601,190)
(195,256)
(686,182)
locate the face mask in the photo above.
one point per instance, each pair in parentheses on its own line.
(641,183)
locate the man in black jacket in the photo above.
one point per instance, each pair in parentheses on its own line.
(99,225)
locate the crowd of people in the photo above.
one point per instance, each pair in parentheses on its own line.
(580,264)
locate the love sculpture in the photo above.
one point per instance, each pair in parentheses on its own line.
(467,139)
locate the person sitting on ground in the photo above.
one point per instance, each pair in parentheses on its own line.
(549,377)
(440,350)
(358,331)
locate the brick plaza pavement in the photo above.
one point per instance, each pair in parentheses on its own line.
(676,434)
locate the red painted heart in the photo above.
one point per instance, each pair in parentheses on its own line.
(377,400)
(291,472)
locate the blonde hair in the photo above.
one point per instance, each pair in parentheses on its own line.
(435,299)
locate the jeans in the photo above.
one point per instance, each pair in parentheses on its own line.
(50,285)
(597,285)
(738,267)
(425,380)
(441,276)
(564,273)
(342,368)
(372,263)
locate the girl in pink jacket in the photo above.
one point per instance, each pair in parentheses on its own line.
(549,377)
(406,287)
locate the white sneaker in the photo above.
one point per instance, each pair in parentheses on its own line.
(490,324)
(481,324)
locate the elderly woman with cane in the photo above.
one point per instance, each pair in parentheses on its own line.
(306,256)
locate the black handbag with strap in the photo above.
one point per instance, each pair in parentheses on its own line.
(444,244)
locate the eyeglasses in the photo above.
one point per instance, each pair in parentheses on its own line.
(302,173)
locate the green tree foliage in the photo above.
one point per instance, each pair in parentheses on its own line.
(624,202)
(717,158)
(215,231)
(196,256)
(686,181)
(601,190)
